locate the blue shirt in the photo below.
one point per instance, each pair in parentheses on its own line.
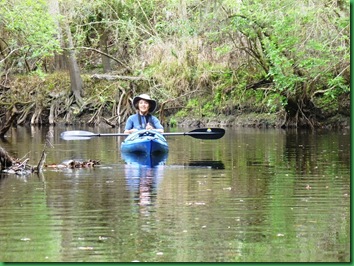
(133,122)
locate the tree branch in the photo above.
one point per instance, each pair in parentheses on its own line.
(105,54)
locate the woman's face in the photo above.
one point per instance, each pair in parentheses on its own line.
(143,106)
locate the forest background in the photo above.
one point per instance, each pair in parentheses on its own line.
(275,63)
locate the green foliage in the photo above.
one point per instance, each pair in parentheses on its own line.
(30,28)
(298,50)
(209,52)
(327,103)
(173,122)
(275,102)
(223,49)
(193,108)
(338,86)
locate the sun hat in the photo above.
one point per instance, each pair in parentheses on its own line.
(152,106)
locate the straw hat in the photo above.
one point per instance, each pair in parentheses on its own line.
(152,106)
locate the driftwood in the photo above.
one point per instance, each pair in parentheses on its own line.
(72,164)
(10,165)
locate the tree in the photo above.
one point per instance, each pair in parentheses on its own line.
(301,48)
(27,35)
(70,53)
(281,55)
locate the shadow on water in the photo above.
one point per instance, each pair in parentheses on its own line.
(207,163)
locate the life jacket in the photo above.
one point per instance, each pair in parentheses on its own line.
(147,119)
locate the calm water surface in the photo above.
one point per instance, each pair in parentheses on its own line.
(252,196)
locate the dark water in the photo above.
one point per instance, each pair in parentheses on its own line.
(252,196)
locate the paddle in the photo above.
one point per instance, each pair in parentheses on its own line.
(200,133)
(82,135)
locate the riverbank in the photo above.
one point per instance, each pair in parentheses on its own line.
(40,102)
(257,120)
(250,120)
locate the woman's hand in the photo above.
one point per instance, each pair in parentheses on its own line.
(149,126)
(130,131)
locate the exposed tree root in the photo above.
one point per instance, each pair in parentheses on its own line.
(36,117)
(6,160)
(24,113)
(46,107)
(10,121)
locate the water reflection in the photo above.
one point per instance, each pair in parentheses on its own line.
(242,198)
(142,182)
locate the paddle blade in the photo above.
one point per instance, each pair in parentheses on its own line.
(77,135)
(207,133)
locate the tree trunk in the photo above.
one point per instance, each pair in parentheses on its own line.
(59,59)
(74,70)
(105,59)
(66,41)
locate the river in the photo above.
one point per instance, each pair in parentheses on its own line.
(255,195)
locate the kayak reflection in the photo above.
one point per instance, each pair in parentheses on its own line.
(150,160)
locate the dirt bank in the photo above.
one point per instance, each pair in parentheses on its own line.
(260,121)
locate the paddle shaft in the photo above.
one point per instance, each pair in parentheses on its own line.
(200,133)
(104,135)
(192,134)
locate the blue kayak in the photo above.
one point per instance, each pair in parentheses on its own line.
(145,141)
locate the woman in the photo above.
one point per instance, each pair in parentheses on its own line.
(143,118)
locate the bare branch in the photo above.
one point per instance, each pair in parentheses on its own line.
(105,54)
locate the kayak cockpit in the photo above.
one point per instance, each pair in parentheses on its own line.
(145,141)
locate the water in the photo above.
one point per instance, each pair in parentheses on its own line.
(252,196)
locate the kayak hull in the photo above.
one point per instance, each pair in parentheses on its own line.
(150,160)
(145,142)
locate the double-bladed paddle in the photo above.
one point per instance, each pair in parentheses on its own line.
(200,133)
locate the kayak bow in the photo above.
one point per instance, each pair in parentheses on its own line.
(145,141)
